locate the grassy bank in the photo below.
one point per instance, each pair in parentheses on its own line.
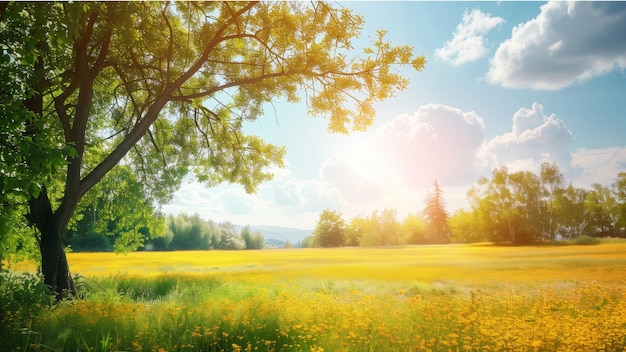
(459,298)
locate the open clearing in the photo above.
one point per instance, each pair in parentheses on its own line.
(440,298)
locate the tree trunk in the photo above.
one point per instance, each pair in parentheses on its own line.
(54,266)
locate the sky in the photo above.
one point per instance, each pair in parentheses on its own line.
(505,84)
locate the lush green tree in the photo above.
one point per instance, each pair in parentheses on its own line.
(308,242)
(413,230)
(552,181)
(330,229)
(355,230)
(229,239)
(436,216)
(600,208)
(619,191)
(569,212)
(117,214)
(382,229)
(464,227)
(189,232)
(252,239)
(508,205)
(165,88)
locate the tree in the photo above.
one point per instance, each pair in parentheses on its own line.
(382,229)
(619,191)
(552,181)
(507,205)
(437,216)
(164,88)
(464,227)
(355,230)
(569,211)
(252,239)
(117,214)
(330,229)
(413,230)
(599,211)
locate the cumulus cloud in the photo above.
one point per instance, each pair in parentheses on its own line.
(567,42)
(293,195)
(353,186)
(534,138)
(468,42)
(437,142)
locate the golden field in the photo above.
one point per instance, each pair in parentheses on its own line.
(422,298)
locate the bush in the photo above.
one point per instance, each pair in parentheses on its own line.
(585,240)
(22,298)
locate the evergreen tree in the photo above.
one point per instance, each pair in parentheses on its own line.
(436,216)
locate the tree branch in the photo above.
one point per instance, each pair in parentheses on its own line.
(154,110)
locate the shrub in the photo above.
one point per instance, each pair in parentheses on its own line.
(585,240)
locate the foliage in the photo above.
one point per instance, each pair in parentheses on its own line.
(163,89)
(330,229)
(252,239)
(117,214)
(619,190)
(436,216)
(413,230)
(585,240)
(382,229)
(465,227)
(522,207)
(187,232)
(23,297)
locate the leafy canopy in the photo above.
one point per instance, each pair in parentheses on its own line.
(164,89)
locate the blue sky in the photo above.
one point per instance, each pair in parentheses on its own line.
(506,83)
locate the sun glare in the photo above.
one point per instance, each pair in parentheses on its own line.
(369,162)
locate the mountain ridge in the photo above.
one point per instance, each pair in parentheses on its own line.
(281,233)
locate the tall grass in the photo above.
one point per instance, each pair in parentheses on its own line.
(439,298)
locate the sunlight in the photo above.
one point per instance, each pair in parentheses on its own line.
(368,161)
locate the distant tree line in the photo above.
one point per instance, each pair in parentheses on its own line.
(182,232)
(383,228)
(510,207)
(523,207)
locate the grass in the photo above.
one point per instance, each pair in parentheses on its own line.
(438,298)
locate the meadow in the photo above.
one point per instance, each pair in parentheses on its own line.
(420,298)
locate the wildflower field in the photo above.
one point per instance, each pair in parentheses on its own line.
(423,298)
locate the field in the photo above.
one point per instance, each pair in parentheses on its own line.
(424,298)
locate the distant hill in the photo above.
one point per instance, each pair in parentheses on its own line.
(279,234)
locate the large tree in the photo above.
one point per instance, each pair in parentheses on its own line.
(508,205)
(164,88)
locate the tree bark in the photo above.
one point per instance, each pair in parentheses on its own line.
(54,266)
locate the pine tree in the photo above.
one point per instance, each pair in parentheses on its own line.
(436,216)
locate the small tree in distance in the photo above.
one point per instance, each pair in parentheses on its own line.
(330,229)
(436,216)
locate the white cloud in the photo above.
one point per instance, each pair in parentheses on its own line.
(468,43)
(534,138)
(353,186)
(295,196)
(236,201)
(567,42)
(437,142)
(598,165)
